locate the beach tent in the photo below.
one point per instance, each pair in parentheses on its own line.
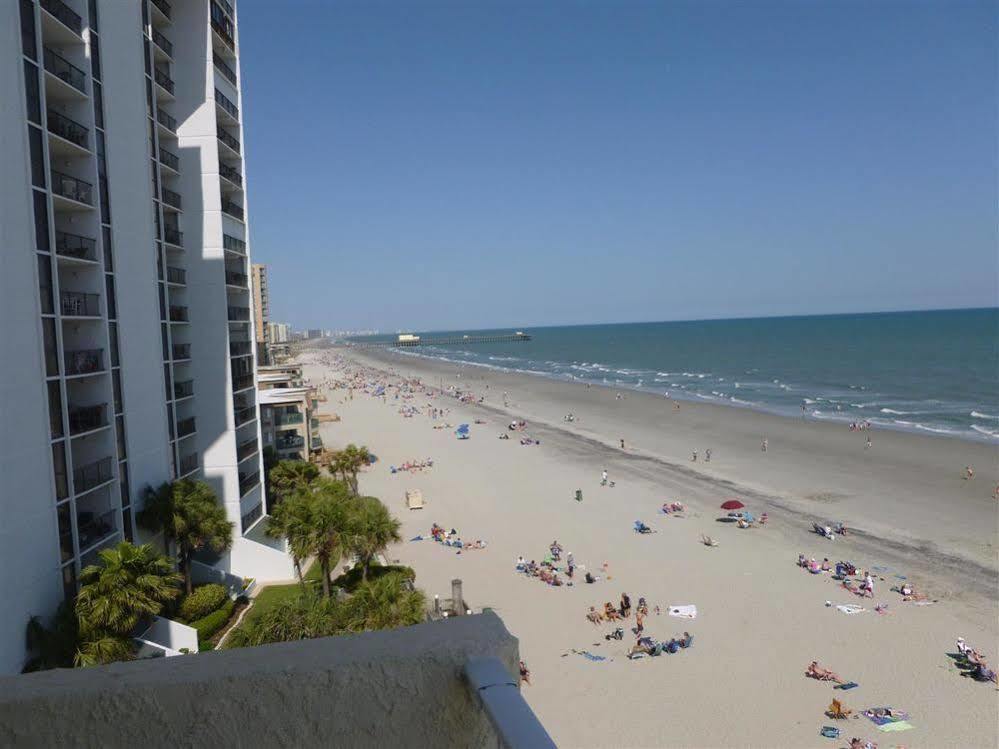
(462,431)
(414,499)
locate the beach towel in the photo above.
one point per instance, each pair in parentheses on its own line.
(590,656)
(898,725)
(684,612)
(850,608)
(416,538)
(848,685)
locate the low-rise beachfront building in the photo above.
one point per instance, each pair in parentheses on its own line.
(289,422)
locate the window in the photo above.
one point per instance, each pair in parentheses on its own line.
(98,105)
(163,337)
(51,355)
(31,94)
(65,532)
(162,302)
(55,409)
(41,220)
(105,199)
(69,581)
(108,260)
(59,470)
(45,284)
(123,484)
(92,7)
(28,29)
(95,58)
(116,377)
(37,157)
(112,307)
(119,428)
(145,55)
(168,381)
(113,340)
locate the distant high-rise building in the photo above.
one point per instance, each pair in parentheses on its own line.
(279,332)
(261,305)
(123,222)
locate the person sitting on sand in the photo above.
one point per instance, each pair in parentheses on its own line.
(525,674)
(763,519)
(625,605)
(862,744)
(594,616)
(826,566)
(611,613)
(868,586)
(822,674)
(742,523)
(589,578)
(802,562)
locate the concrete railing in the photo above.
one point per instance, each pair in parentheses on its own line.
(402,688)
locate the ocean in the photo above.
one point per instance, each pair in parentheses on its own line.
(933,372)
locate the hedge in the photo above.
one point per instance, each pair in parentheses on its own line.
(209,625)
(352,578)
(203,601)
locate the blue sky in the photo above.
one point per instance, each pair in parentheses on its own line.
(474,164)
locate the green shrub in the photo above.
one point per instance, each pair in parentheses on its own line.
(209,625)
(351,579)
(203,601)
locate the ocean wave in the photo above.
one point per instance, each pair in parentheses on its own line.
(897,413)
(809,401)
(740,402)
(935,430)
(978,415)
(987,432)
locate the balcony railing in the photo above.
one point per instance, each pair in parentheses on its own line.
(241,382)
(176,275)
(72,245)
(226,71)
(62,68)
(227,8)
(66,128)
(231,174)
(63,12)
(232,209)
(78,304)
(181,351)
(222,25)
(233,245)
(165,7)
(247,481)
(170,160)
(235,278)
(291,442)
(72,188)
(84,361)
(92,530)
(287,419)
(223,101)
(186,427)
(188,464)
(166,120)
(240,348)
(173,236)
(317,443)
(243,415)
(239,314)
(184,389)
(245,449)
(163,43)
(170,197)
(91,475)
(313,423)
(227,138)
(178,313)
(163,78)
(87,418)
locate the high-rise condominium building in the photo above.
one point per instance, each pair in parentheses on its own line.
(129,348)
(261,311)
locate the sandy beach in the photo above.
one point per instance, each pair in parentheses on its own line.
(761,619)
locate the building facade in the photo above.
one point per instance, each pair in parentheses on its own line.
(289,412)
(261,309)
(124,261)
(279,332)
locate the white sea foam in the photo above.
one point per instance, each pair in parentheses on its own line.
(809,401)
(935,430)
(740,402)
(987,432)
(897,413)
(978,415)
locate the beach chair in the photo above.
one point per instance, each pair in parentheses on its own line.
(836,711)
(414,499)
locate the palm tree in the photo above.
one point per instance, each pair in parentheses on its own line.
(190,516)
(54,646)
(372,529)
(130,584)
(386,603)
(291,520)
(288,476)
(329,529)
(354,458)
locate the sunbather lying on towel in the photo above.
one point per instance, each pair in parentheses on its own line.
(822,674)
(594,616)
(862,744)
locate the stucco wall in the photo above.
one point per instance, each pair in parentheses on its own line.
(402,688)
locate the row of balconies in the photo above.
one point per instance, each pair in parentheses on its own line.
(63,69)
(64,13)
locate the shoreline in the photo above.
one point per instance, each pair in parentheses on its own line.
(749,593)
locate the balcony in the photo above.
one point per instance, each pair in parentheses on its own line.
(290,442)
(233,245)
(239,314)
(313,422)
(235,278)
(247,481)
(186,428)
(72,189)
(181,351)
(176,275)
(166,120)
(78,304)
(241,382)
(164,7)
(230,174)
(92,530)
(317,443)
(184,389)
(169,160)
(163,79)
(226,138)
(222,26)
(75,246)
(89,476)
(245,449)
(173,236)
(232,209)
(63,13)
(163,43)
(240,348)
(87,418)
(228,73)
(227,106)
(63,69)
(66,128)
(287,419)
(188,465)
(178,313)
(244,415)
(170,197)
(84,361)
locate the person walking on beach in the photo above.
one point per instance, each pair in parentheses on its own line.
(868,445)
(622,443)
(694,456)
(868,586)
(969,473)
(707,455)
(603,478)
(763,445)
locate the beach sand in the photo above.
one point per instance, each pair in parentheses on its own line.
(761,619)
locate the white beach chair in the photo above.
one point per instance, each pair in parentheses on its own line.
(414,499)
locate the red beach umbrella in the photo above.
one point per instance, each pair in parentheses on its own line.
(732,504)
